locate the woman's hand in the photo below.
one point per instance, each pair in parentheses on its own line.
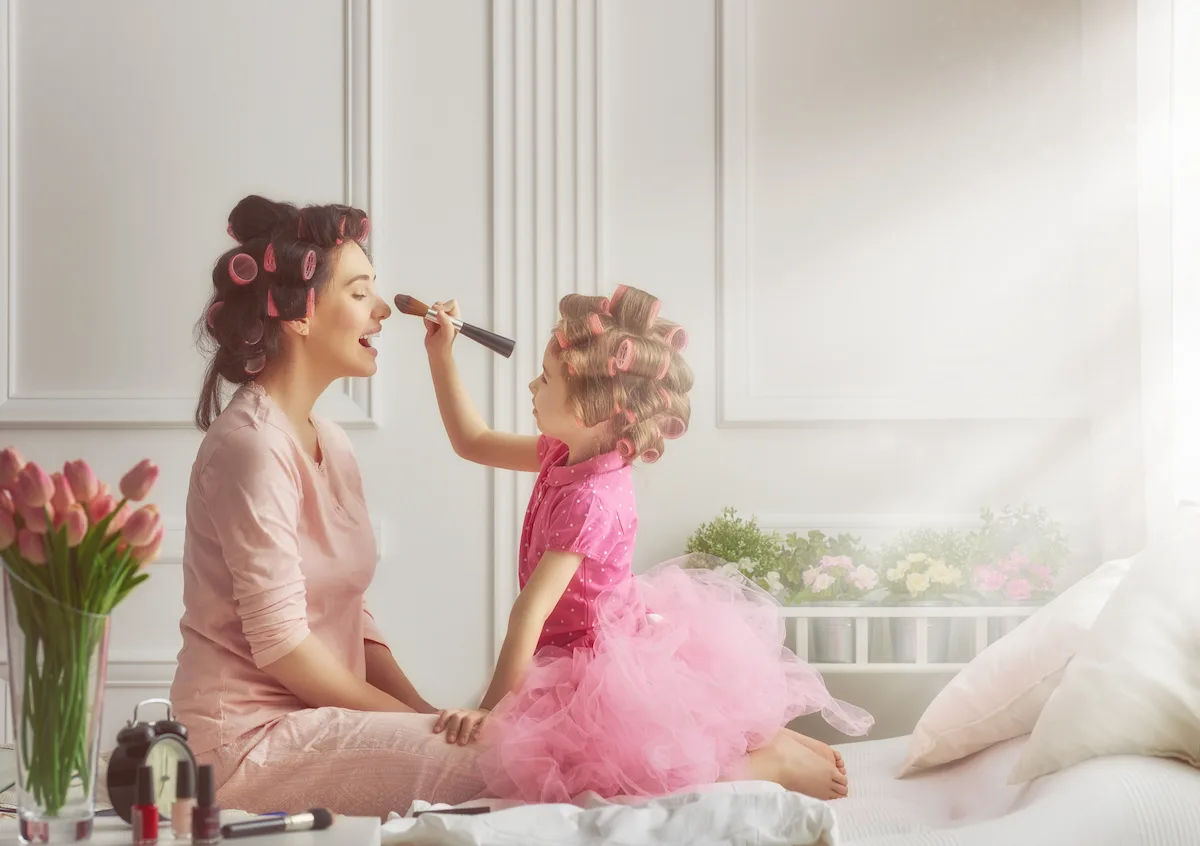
(439,336)
(461,724)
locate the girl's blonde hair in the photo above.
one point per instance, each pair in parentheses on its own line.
(624,366)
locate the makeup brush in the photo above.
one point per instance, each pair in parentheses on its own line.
(494,342)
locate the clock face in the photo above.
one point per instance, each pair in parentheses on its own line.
(163,759)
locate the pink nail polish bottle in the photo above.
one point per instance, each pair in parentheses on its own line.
(185,801)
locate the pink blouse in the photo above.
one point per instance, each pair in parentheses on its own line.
(587,508)
(277,548)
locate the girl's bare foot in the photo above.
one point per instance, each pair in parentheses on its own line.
(823,749)
(797,768)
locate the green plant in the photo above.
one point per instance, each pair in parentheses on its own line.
(1018,553)
(730,540)
(824,569)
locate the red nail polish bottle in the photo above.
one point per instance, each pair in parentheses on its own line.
(144,813)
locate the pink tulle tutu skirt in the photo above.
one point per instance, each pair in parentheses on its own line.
(686,674)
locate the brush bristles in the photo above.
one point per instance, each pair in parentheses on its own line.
(411,305)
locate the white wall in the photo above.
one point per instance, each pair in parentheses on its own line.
(902,236)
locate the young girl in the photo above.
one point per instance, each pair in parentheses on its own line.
(608,682)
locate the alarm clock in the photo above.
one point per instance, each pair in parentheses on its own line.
(159,745)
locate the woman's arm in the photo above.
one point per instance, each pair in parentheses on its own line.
(384,673)
(318,679)
(469,434)
(529,614)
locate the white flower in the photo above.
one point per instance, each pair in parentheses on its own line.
(727,570)
(746,565)
(808,575)
(822,582)
(900,569)
(917,583)
(774,583)
(943,575)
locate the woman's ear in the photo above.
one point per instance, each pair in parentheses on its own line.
(299,327)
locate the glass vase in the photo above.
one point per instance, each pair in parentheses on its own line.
(57,661)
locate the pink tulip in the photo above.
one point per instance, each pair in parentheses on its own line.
(63,498)
(118,521)
(136,484)
(77,525)
(6,503)
(10,465)
(8,530)
(82,480)
(32,546)
(139,529)
(34,486)
(35,518)
(100,507)
(147,553)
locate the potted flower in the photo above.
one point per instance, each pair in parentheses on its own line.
(1018,555)
(72,551)
(832,572)
(732,545)
(925,567)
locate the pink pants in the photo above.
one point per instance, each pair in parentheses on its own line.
(357,763)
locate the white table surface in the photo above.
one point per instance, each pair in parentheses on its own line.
(113,831)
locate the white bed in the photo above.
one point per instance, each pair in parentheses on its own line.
(1116,801)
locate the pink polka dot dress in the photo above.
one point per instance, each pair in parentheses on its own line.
(641,685)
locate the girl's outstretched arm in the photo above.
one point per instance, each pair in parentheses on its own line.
(529,614)
(469,434)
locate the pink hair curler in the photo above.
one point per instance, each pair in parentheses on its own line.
(651,455)
(309,266)
(310,303)
(563,343)
(665,396)
(229,229)
(624,356)
(365,230)
(255,334)
(255,364)
(595,325)
(666,366)
(269,259)
(243,269)
(677,337)
(605,306)
(212,313)
(271,310)
(672,428)
(654,311)
(612,366)
(625,448)
(616,297)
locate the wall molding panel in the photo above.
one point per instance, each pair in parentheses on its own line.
(350,403)
(546,239)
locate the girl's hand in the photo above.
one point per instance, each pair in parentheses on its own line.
(461,724)
(439,336)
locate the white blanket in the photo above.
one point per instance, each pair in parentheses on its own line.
(744,813)
(1117,801)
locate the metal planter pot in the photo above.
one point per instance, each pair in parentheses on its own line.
(904,636)
(831,640)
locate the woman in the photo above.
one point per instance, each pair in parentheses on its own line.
(284,681)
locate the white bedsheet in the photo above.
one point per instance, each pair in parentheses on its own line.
(1117,801)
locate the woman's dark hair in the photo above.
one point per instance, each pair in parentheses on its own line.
(280,265)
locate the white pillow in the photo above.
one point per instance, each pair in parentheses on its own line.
(1134,687)
(1000,694)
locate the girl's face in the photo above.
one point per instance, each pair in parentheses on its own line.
(346,318)
(552,406)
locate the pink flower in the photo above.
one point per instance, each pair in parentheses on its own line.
(988,579)
(147,553)
(1013,563)
(863,577)
(136,484)
(809,575)
(1042,574)
(10,465)
(34,487)
(82,480)
(118,521)
(100,507)
(837,562)
(63,498)
(8,530)
(1017,589)
(6,503)
(77,525)
(32,546)
(35,518)
(139,529)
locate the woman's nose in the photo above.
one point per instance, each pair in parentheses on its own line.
(385,312)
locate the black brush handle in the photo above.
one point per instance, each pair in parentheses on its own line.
(495,343)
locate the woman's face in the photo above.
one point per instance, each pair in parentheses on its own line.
(347,317)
